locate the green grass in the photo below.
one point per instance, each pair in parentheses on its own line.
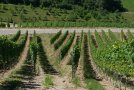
(92,84)
(48,82)
(76,81)
(128,4)
(129,16)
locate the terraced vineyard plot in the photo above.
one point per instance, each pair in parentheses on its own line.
(93,56)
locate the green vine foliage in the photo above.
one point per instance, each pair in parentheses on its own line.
(75,56)
(34,50)
(10,51)
(60,41)
(65,48)
(16,36)
(116,58)
(55,37)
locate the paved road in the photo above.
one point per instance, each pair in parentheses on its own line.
(6,31)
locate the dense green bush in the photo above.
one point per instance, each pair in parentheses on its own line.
(2,25)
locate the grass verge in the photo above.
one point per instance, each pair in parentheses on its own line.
(92,84)
(48,82)
(76,81)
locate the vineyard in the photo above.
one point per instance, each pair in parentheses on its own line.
(67,61)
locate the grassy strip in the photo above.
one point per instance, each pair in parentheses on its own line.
(130,35)
(48,82)
(92,84)
(112,36)
(123,36)
(76,81)
(45,64)
(111,59)
(77,24)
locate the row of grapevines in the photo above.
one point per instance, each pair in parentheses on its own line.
(60,41)
(16,36)
(65,48)
(75,56)
(81,39)
(94,40)
(98,39)
(27,68)
(22,41)
(34,50)
(116,59)
(93,45)
(10,51)
(88,71)
(53,39)
(13,81)
(105,37)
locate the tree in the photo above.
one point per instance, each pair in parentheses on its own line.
(113,5)
(109,5)
(93,4)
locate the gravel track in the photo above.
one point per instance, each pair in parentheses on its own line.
(6,31)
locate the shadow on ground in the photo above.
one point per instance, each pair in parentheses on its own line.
(46,66)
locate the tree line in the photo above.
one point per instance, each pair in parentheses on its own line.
(108,5)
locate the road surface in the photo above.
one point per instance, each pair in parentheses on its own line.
(6,31)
